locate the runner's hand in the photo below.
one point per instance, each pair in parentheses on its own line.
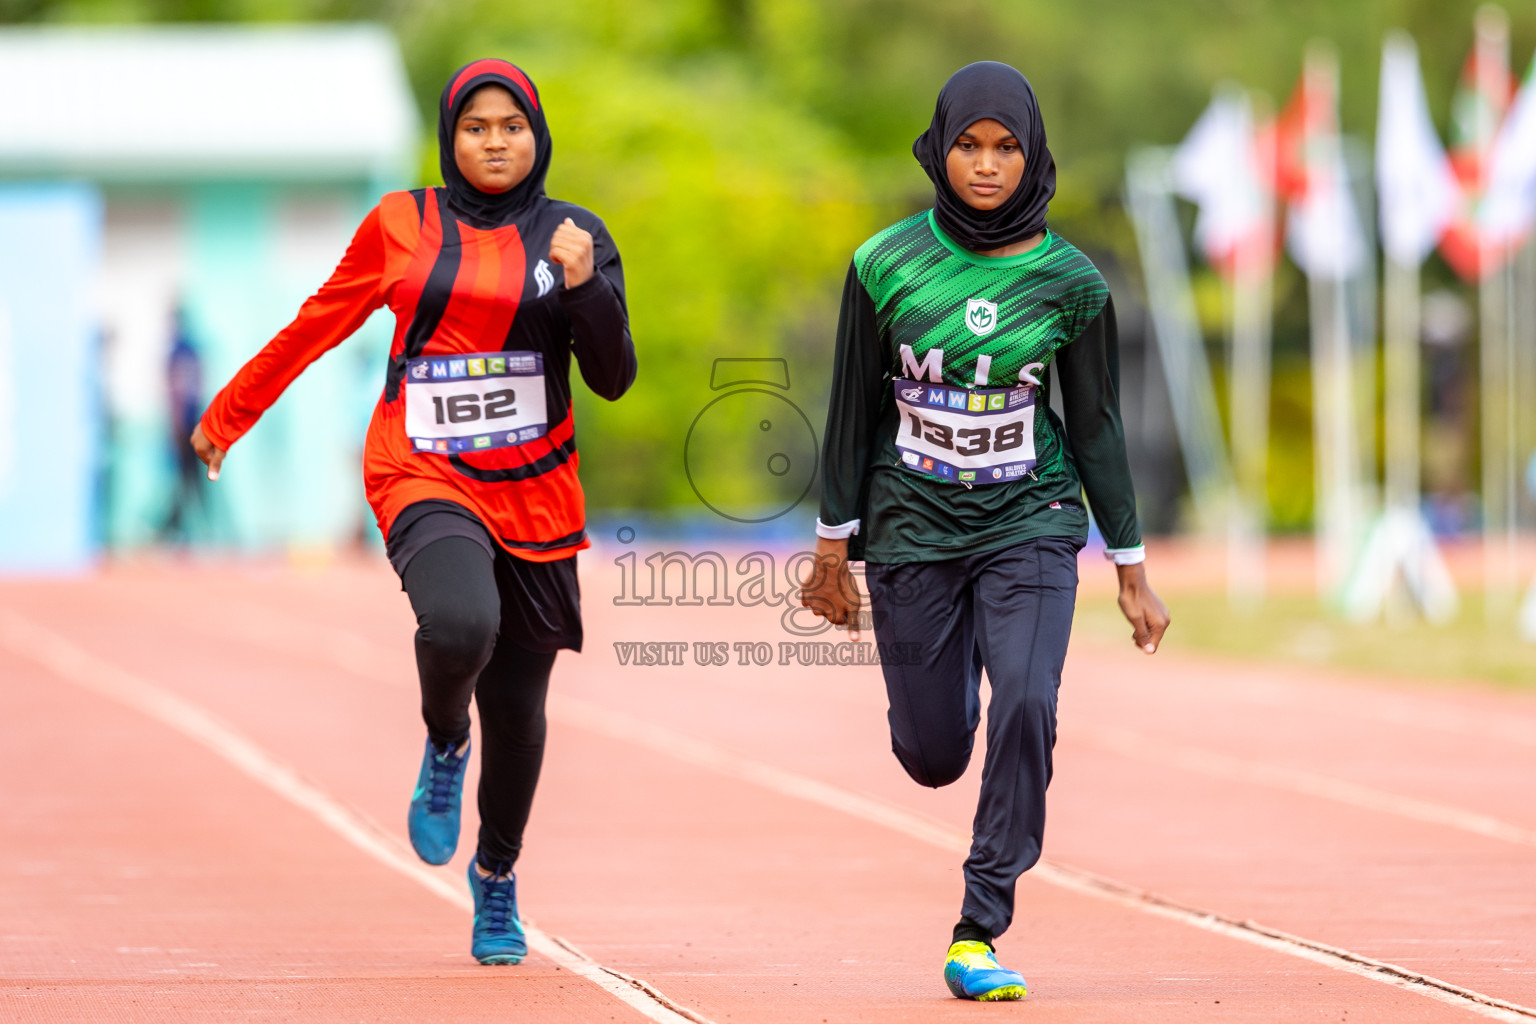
(1144,610)
(831,591)
(211,455)
(571,247)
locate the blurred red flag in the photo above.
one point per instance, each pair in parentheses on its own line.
(1218,166)
(1301,119)
(1324,233)
(1483,95)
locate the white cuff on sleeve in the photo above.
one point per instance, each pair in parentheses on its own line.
(1127,556)
(840,532)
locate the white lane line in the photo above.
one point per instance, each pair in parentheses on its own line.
(1375,705)
(72,663)
(1295,780)
(360,655)
(592,717)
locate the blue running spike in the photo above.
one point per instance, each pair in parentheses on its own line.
(972,972)
(498,935)
(434,817)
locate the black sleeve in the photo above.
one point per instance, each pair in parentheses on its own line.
(600,322)
(858,376)
(1088,370)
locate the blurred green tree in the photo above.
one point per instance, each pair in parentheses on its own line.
(740,149)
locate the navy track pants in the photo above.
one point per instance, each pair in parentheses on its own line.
(1008,611)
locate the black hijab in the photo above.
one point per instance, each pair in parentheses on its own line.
(491,209)
(977,91)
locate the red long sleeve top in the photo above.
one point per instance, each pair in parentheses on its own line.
(458,291)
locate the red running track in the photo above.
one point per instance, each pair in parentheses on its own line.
(738,838)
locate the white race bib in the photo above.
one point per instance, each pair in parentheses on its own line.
(969,435)
(474,401)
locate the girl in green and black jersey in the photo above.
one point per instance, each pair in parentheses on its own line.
(945,470)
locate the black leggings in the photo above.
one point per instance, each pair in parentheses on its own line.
(462,648)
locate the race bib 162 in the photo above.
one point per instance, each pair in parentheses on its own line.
(474,401)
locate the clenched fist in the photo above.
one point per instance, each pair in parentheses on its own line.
(571,247)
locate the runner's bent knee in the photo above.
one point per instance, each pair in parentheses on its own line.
(460,636)
(933,769)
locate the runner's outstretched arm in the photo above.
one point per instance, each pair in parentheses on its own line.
(325,320)
(1089,372)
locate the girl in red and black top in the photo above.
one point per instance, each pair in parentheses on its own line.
(470,462)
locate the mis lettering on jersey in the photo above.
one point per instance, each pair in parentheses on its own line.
(930,369)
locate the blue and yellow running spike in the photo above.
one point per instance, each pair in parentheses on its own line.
(971,971)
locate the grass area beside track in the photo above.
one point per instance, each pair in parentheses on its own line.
(1296,629)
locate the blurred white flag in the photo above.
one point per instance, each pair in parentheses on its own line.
(1416,187)
(1509,207)
(1215,168)
(1324,233)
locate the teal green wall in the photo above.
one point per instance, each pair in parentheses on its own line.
(294,482)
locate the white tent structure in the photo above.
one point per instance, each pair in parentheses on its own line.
(123,104)
(233,165)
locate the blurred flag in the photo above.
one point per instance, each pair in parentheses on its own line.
(1216,168)
(1483,95)
(1416,188)
(1324,232)
(1509,209)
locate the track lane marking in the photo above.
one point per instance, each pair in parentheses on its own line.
(595,718)
(358,654)
(1295,780)
(67,661)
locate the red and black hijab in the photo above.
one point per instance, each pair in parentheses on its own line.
(491,209)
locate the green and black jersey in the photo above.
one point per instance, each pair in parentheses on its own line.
(930,333)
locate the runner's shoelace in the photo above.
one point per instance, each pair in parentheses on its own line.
(444,780)
(496,909)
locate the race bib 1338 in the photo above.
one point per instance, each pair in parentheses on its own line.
(969,435)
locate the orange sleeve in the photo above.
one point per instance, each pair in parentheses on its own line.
(327,318)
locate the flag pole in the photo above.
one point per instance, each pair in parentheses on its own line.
(1334,444)
(1491,56)
(1175,328)
(1400,544)
(1526,377)
(1249,372)
(1408,546)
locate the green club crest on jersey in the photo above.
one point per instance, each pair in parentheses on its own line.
(980,316)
